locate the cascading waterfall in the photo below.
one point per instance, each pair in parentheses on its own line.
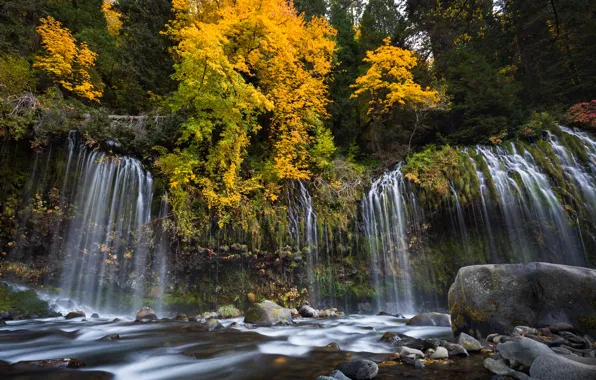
(303,220)
(387,216)
(534,217)
(521,216)
(107,240)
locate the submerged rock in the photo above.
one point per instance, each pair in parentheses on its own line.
(563,367)
(267,313)
(359,369)
(496,298)
(111,337)
(146,313)
(50,363)
(75,314)
(430,319)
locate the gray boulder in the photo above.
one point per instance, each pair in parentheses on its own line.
(430,319)
(522,352)
(495,298)
(146,313)
(469,343)
(359,369)
(563,367)
(267,313)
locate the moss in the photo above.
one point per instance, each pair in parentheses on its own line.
(22,304)
(587,322)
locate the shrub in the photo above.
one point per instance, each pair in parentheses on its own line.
(583,114)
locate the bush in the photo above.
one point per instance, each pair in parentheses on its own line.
(16,76)
(583,114)
(538,123)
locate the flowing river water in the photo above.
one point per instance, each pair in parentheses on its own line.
(168,349)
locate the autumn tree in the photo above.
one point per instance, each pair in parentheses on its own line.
(112,16)
(252,76)
(67,62)
(389,81)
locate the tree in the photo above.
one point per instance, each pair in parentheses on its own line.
(389,81)
(247,68)
(67,62)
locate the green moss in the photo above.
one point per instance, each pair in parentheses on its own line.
(22,304)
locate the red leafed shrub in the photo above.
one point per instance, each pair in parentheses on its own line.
(583,114)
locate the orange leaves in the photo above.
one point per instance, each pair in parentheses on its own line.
(65,61)
(389,81)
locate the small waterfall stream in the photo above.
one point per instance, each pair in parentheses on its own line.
(386,218)
(106,244)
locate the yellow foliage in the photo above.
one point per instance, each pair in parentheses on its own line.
(112,16)
(238,60)
(389,81)
(65,61)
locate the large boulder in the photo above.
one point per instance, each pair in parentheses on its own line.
(496,298)
(267,313)
(430,319)
(563,367)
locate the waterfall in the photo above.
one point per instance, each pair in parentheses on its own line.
(303,220)
(387,216)
(522,216)
(106,244)
(533,215)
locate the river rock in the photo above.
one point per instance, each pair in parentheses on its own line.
(454,349)
(523,330)
(410,353)
(431,343)
(94,315)
(469,343)
(391,338)
(111,337)
(556,367)
(50,363)
(181,317)
(497,297)
(440,353)
(6,316)
(338,375)
(562,351)
(267,313)
(146,313)
(307,312)
(359,369)
(499,367)
(522,352)
(430,319)
(557,327)
(75,314)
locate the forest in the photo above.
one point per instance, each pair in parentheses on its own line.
(330,158)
